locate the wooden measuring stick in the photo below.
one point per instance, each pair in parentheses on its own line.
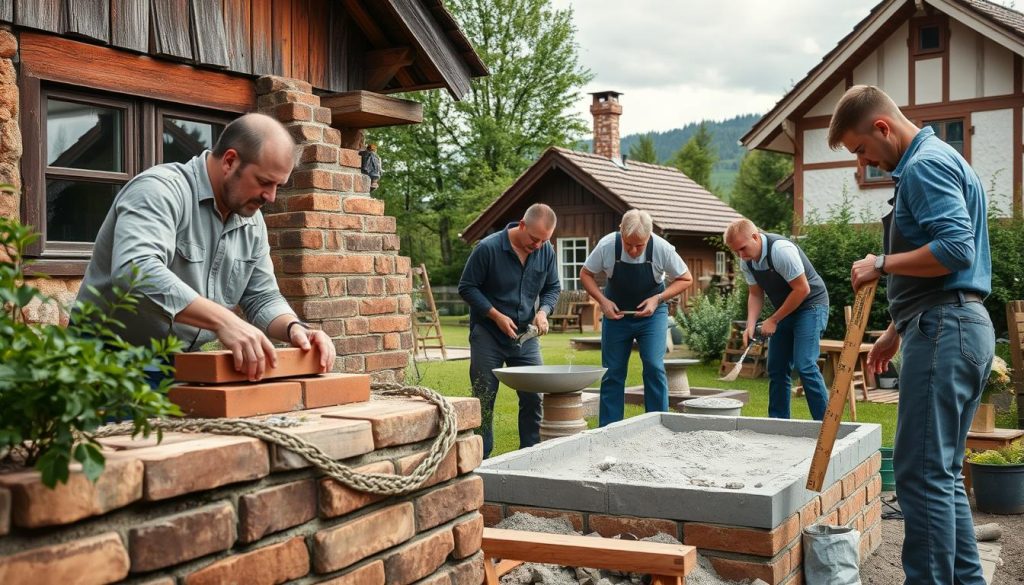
(841,385)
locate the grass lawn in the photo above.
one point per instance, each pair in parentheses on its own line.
(452,379)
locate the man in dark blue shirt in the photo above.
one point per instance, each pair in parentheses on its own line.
(939,268)
(506,275)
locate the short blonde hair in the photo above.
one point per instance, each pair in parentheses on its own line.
(858,106)
(739,227)
(540,214)
(636,222)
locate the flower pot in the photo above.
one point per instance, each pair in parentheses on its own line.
(998,489)
(984,419)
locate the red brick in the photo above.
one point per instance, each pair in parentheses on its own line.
(366,285)
(810,512)
(378,306)
(350,345)
(309,239)
(203,464)
(336,286)
(363,243)
(753,541)
(494,513)
(35,505)
(337,438)
(370,574)
(419,558)
(332,136)
(469,571)
(874,487)
(292,112)
(873,513)
(406,340)
(343,182)
(331,389)
(609,526)
(398,284)
(364,205)
(218,367)
(403,422)
(313,220)
(272,83)
(851,506)
(392,341)
(88,561)
(402,264)
(339,546)
(276,563)
(384,264)
(233,401)
(390,323)
(313,202)
(357,326)
(436,579)
(302,133)
(317,309)
(448,502)
(391,242)
(384,223)
(322,115)
(361,184)
(325,153)
(470,453)
(446,469)
(275,508)
(875,464)
(337,499)
(302,287)
(387,361)
(849,483)
(328,263)
(737,570)
(350,158)
(171,540)
(352,364)
(404,304)
(831,497)
(288,96)
(797,578)
(468,535)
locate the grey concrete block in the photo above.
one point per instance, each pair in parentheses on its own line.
(682,423)
(778,426)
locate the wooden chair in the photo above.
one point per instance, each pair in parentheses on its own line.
(861,377)
(667,564)
(1015,326)
(568,311)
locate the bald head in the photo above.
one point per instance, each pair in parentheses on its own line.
(253,157)
(250,134)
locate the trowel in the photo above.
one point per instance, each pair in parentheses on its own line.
(735,372)
(527,335)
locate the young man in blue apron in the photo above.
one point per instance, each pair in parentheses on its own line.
(778,268)
(637,264)
(939,268)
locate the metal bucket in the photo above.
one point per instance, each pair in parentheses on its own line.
(711,405)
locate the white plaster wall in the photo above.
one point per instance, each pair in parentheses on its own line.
(998,70)
(992,156)
(867,72)
(823,189)
(828,103)
(928,81)
(816,148)
(894,76)
(963,62)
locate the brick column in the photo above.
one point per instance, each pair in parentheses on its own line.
(335,252)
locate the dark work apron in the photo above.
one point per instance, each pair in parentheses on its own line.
(776,287)
(631,284)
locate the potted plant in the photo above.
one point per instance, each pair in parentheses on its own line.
(998,479)
(998,387)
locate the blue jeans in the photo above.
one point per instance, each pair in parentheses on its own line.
(796,344)
(947,355)
(485,354)
(616,344)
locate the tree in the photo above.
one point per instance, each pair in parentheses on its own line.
(443,172)
(696,157)
(754,193)
(643,150)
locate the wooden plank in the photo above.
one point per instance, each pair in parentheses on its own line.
(209,39)
(6,10)
(171,30)
(300,39)
(88,18)
(435,47)
(41,14)
(506,566)
(365,109)
(383,64)
(238,31)
(281,31)
(129,25)
(841,385)
(262,38)
(319,43)
(587,551)
(87,65)
(342,49)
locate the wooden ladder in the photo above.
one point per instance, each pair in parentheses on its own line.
(426,325)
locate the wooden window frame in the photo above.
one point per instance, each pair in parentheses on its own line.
(917,24)
(964,119)
(160,112)
(561,264)
(864,183)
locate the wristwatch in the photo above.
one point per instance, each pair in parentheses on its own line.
(880,264)
(288,330)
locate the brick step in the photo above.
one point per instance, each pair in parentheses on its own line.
(284,395)
(218,367)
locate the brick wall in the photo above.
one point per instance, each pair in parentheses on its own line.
(335,252)
(606,111)
(739,552)
(201,509)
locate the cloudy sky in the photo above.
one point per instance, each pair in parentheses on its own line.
(679,61)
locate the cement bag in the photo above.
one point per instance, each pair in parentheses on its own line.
(831,555)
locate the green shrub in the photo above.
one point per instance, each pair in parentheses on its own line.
(1006,242)
(706,325)
(1011,455)
(58,384)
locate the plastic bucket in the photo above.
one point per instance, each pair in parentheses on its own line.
(888,479)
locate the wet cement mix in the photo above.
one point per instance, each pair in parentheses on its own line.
(721,459)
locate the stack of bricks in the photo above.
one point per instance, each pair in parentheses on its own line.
(334,251)
(738,552)
(215,389)
(203,509)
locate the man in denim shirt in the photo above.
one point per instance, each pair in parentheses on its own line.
(196,236)
(939,268)
(506,275)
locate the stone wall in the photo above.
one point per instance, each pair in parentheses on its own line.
(740,552)
(201,509)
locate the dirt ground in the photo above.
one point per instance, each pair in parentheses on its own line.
(884,566)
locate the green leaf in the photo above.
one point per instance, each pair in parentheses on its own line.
(92,460)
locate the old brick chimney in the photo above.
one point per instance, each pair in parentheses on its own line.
(606,110)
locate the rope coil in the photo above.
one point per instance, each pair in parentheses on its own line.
(375,483)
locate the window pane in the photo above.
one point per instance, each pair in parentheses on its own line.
(76,209)
(872,173)
(184,139)
(83,136)
(929,38)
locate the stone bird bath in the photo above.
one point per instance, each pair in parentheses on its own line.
(561,387)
